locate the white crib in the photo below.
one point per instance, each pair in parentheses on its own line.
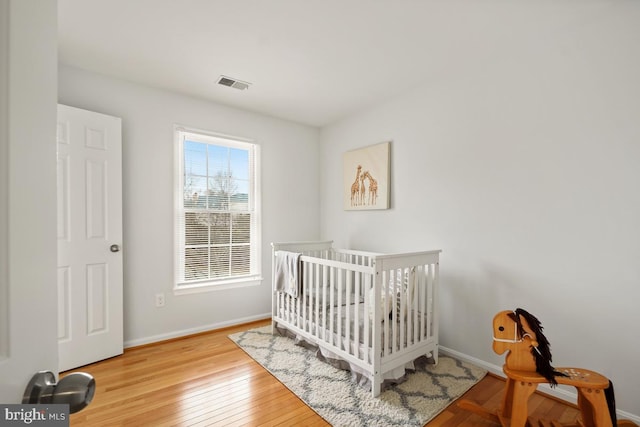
(376,312)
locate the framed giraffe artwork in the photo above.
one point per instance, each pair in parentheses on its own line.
(366,177)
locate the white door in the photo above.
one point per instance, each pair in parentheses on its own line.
(28,92)
(89,237)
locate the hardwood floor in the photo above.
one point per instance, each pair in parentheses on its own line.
(206,379)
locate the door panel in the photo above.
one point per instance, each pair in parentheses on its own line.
(89,222)
(96,199)
(97,302)
(64,301)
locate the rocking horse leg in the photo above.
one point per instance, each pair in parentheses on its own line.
(517,409)
(593,408)
(586,411)
(473,407)
(507,398)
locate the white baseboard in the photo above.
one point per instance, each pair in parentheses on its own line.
(191,331)
(560,392)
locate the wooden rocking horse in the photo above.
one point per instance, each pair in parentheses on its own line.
(527,364)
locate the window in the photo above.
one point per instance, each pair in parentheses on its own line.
(217,211)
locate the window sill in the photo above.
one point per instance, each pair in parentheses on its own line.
(196,288)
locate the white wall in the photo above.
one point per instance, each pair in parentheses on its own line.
(290,203)
(28,57)
(526,173)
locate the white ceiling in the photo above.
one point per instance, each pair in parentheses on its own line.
(310,61)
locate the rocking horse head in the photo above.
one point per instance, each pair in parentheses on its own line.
(520,333)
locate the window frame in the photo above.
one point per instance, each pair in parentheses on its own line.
(254,278)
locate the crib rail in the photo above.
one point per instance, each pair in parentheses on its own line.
(374,311)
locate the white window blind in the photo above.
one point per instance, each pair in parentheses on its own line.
(217,214)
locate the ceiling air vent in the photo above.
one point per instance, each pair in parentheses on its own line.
(234,83)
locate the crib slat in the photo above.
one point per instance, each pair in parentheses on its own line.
(339,309)
(347,305)
(292,313)
(430,287)
(356,315)
(298,310)
(416,304)
(369,314)
(394,321)
(402,316)
(411,312)
(331,304)
(307,270)
(303,298)
(289,310)
(323,324)
(385,317)
(423,301)
(389,319)
(317,301)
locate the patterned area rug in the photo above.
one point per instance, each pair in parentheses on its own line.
(331,393)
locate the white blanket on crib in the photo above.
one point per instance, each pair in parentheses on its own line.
(288,273)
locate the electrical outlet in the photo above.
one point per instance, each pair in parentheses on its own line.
(160,300)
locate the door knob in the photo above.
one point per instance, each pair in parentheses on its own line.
(115,248)
(76,390)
